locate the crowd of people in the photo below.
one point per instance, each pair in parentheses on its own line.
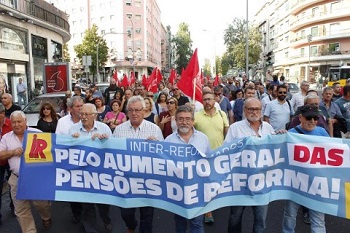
(233,108)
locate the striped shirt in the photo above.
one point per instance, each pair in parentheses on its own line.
(145,130)
(99,127)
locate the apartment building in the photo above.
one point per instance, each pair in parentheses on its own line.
(31,33)
(304,35)
(131,28)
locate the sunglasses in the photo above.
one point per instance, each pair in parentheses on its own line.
(170,102)
(150,96)
(282,92)
(308,118)
(176,89)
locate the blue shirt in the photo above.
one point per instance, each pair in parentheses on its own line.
(198,139)
(99,127)
(318,131)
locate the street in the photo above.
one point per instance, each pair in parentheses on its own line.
(163,221)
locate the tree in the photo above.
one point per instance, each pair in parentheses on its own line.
(89,47)
(183,47)
(235,41)
(66,55)
(225,63)
(206,67)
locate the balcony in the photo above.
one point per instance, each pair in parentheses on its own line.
(318,18)
(38,12)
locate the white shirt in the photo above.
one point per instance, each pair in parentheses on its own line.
(64,124)
(243,129)
(145,130)
(99,127)
(297,100)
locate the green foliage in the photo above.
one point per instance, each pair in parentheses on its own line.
(89,47)
(235,41)
(66,55)
(206,68)
(183,47)
(226,63)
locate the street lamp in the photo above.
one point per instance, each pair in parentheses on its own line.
(309,39)
(97,47)
(133,46)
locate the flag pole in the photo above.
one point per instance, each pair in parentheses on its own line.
(194,90)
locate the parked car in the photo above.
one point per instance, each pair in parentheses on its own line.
(293,88)
(32,109)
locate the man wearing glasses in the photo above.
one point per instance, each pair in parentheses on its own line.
(309,115)
(186,134)
(251,125)
(89,127)
(279,111)
(138,128)
(181,99)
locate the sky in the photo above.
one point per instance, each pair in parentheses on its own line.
(207,20)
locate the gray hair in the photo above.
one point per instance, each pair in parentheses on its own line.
(327,89)
(134,99)
(91,106)
(18,113)
(72,100)
(246,101)
(310,97)
(304,82)
(184,108)
(2,108)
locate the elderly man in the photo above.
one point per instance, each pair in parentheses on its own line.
(309,115)
(298,98)
(186,134)
(75,104)
(88,126)
(137,127)
(10,107)
(250,126)
(21,92)
(11,149)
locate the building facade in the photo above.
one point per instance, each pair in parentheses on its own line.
(131,28)
(304,35)
(31,33)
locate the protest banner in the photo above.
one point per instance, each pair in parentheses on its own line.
(310,170)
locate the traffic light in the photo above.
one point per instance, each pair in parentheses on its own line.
(268,59)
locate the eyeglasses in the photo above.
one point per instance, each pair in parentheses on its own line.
(308,118)
(207,99)
(151,96)
(175,89)
(252,110)
(217,94)
(282,92)
(86,114)
(135,110)
(184,119)
(170,102)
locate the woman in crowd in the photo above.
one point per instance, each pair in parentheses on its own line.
(47,118)
(148,114)
(101,108)
(114,117)
(64,107)
(167,119)
(237,94)
(118,95)
(161,105)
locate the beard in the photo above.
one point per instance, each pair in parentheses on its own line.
(281,97)
(184,129)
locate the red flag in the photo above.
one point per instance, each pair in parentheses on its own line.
(153,82)
(125,81)
(172,76)
(115,77)
(159,76)
(190,79)
(216,81)
(144,81)
(132,78)
(202,78)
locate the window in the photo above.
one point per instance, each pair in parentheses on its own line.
(313,50)
(103,32)
(138,30)
(302,52)
(315,11)
(129,43)
(334,7)
(137,17)
(129,16)
(138,43)
(113,30)
(112,17)
(102,19)
(128,2)
(137,3)
(302,34)
(314,31)
(334,47)
(334,28)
